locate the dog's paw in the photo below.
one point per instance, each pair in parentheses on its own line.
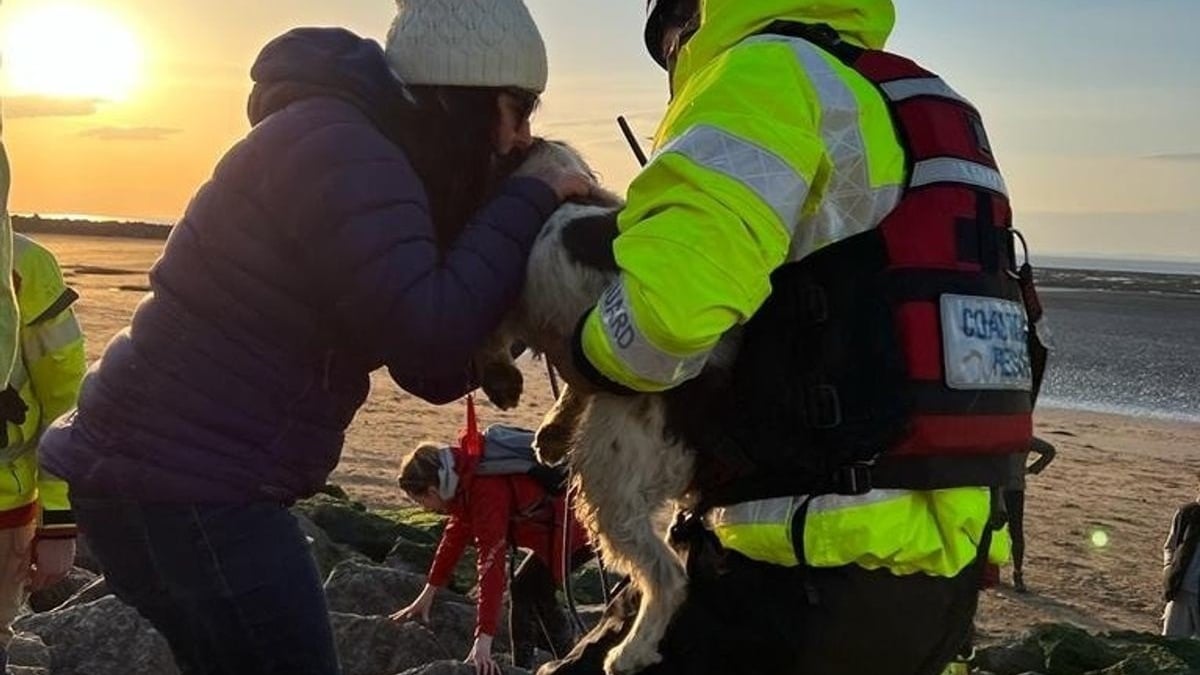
(629,658)
(503,384)
(552,442)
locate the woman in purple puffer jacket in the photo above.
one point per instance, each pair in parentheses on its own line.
(361,223)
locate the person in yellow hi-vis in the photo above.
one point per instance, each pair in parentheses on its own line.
(8,301)
(37,530)
(840,207)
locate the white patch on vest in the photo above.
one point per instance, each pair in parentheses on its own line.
(985,343)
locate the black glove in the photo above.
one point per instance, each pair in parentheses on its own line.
(12,408)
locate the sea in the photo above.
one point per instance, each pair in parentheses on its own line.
(1124,341)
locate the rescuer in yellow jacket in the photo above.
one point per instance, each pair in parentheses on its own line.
(773,149)
(8,302)
(37,531)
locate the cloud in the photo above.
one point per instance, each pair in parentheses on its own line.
(1178,157)
(129,133)
(16,107)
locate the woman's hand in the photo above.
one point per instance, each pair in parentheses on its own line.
(419,609)
(481,656)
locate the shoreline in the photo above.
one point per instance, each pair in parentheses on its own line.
(1116,410)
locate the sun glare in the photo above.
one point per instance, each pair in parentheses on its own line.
(70,49)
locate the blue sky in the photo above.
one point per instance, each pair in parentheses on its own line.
(1093,106)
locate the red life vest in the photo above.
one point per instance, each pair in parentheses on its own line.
(902,357)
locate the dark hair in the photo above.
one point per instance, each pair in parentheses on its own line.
(449,137)
(419,471)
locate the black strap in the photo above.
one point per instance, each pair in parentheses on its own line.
(933,397)
(60,305)
(59,517)
(911,285)
(820,34)
(12,409)
(940,473)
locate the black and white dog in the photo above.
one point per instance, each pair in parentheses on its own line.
(627,453)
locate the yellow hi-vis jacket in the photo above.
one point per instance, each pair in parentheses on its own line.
(770,150)
(47,375)
(8,300)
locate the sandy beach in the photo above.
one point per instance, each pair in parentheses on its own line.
(1118,475)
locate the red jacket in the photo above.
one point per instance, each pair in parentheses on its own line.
(487,509)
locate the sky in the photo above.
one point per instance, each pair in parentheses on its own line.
(1093,106)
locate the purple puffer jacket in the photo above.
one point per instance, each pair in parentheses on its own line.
(306,262)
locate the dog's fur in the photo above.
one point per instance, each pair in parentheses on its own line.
(628,457)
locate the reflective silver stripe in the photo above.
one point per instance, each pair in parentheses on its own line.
(764,172)
(19,375)
(900,90)
(954,170)
(780,509)
(826,503)
(776,511)
(634,350)
(850,204)
(45,338)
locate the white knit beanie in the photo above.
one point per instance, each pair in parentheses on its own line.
(467,43)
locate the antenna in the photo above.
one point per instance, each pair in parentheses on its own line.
(631,140)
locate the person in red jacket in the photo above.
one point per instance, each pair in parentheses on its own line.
(496,512)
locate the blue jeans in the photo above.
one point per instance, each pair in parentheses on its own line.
(233,589)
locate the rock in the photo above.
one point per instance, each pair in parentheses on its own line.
(349,524)
(1056,649)
(1153,662)
(417,537)
(410,556)
(376,645)
(585,585)
(1015,659)
(415,558)
(1186,650)
(1073,651)
(28,651)
(418,534)
(335,491)
(49,598)
(93,591)
(327,553)
(105,637)
(358,588)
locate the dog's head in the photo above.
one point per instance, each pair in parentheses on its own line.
(572,261)
(546,154)
(586,227)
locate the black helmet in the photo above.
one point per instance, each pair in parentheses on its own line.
(658,14)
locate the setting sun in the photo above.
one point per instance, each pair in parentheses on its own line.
(70,49)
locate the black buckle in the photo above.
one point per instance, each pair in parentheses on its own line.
(824,407)
(853,479)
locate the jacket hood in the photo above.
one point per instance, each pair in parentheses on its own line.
(724,23)
(308,62)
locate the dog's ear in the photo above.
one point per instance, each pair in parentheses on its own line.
(589,241)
